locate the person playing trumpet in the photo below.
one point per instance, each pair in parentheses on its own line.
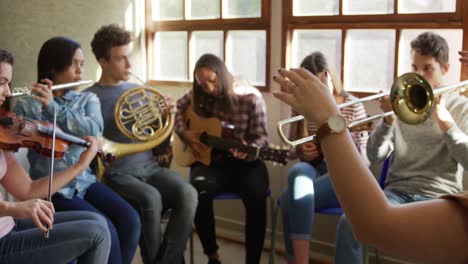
(424,157)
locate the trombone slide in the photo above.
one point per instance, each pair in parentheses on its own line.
(312,137)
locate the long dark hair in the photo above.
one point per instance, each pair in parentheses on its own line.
(55,56)
(201,100)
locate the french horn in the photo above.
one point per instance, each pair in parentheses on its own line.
(141,114)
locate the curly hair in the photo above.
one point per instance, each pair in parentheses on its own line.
(7,57)
(431,44)
(107,37)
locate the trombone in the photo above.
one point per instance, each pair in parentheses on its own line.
(18,91)
(412,100)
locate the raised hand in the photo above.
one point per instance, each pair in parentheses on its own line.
(306,94)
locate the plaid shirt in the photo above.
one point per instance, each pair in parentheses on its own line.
(248,116)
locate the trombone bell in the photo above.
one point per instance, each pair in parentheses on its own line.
(412,98)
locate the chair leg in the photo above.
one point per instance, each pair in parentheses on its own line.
(273,213)
(365,255)
(377,256)
(192,261)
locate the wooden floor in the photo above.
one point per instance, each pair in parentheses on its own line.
(230,252)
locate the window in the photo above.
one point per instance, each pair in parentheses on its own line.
(180,31)
(367,41)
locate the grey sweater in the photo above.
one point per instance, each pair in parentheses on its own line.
(425,160)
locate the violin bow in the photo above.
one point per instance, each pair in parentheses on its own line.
(52,157)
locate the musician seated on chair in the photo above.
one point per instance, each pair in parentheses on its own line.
(309,186)
(138,178)
(83,236)
(425,156)
(61,61)
(216,94)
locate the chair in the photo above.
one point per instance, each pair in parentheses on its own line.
(234,196)
(339,211)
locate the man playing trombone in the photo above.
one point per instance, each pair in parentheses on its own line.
(424,157)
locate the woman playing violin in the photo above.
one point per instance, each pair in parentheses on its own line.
(74,235)
(61,60)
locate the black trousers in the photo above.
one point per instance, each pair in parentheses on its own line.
(250,181)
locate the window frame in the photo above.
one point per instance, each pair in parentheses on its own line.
(218,24)
(394,21)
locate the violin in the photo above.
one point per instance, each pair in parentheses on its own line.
(17,132)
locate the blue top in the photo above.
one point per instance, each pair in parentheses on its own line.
(78,114)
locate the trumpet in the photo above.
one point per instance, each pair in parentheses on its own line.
(18,91)
(412,99)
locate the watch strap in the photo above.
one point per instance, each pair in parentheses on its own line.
(323,131)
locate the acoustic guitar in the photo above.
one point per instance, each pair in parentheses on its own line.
(211,134)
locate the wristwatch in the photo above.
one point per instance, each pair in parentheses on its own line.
(334,125)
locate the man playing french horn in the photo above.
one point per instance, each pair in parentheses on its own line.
(424,157)
(137,177)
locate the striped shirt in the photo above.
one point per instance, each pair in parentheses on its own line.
(248,115)
(351,114)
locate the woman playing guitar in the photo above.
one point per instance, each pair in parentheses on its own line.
(215,93)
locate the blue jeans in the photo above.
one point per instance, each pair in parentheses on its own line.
(348,249)
(307,191)
(122,219)
(75,235)
(152,190)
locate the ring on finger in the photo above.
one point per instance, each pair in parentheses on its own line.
(291,87)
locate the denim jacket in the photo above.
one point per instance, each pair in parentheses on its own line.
(78,114)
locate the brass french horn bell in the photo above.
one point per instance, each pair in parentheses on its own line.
(143,116)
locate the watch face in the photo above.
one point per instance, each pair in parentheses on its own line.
(337,123)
